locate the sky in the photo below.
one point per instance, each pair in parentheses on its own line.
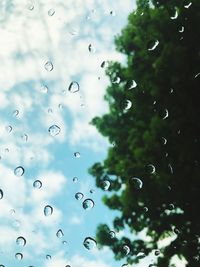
(45,130)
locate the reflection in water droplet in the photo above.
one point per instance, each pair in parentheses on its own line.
(51,12)
(112,234)
(136,182)
(153,45)
(37,184)
(133,85)
(15,113)
(116,80)
(19,256)
(89,243)
(48,210)
(88,204)
(19,171)
(166,114)
(126,249)
(54,130)
(48,66)
(91,48)
(152,168)
(59,233)
(9,129)
(21,241)
(77,154)
(48,257)
(1,193)
(105,185)
(73,87)
(75,179)
(141,255)
(175,15)
(128,104)
(79,196)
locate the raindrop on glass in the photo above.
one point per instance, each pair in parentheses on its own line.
(54,130)
(176,231)
(24,137)
(44,89)
(37,184)
(51,12)
(164,140)
(48,257)
(112,13)
(89,243)
(9,129)
(145,209)
(88,204)
(175,16)
(48,210)
(105,185)
(141,255)
(157,252)
(187,6)
(197,75)
(92,191)
(77,154)
(75,179)
(151,168)
(21,241)
(126,249)
(116,80)
(64,242)
(171,206)
(128,104)
(48,66)
(153,45)
(73,87)
(112,234)
(79,196)
(103,64)
(133,85)
(59,233)
(15,113)
(182,29)
(19,171)
(136,182)
(30,6)
(91,48)
(1,193)
(19,256)
(166,114)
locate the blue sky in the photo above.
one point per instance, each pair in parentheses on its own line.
(31,100)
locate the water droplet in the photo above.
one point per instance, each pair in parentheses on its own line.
(48,257)
(59,233)
(112,234)
(197,75)
(48,210)
(1,193)
(30,6)
(126,249)
(9,129)
(116,80)
(141,255)
(19,171)
(152,265)
(157,252)
(166,114)
(104,64)
(88,204)
(44,89)
(164,140)
(105,185)
(15,113)
(75,179)
(187,6)
(48,66)
(64,242)
(145,209)
(128,104)
(151,168)
(77,154)
(79,196)
(21,241)
(24,137)
(37,184)
(91,48)
(112,13)
(171,206)
(54,130)
(51,12)
(176,231)
(89,243)
(1,265)
(74,87)
(175,15)
(153,45)
(133,85)
(50,110)
(19,256)
(182,29)
(170,168)
(136,182)
(92,191)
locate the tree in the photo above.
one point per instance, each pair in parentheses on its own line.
(153,162)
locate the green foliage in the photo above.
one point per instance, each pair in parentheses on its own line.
(167,82)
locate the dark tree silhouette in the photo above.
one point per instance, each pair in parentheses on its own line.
(161,129)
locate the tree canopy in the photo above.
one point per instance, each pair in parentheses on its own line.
(153,126)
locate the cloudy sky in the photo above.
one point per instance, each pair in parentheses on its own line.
(44,47)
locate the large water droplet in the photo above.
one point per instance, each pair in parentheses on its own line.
(19,256)
(88,204)
(19,171)
(126,249)
(59,233)
(89,243)
(54,130)
(21,241)
(77,154)
(79,196)
(74,87)
(105,185)
(37,184)
(153,45)
(48,66)
(48,210)
(51,12)
(141,255)
(91,48)
(136,183)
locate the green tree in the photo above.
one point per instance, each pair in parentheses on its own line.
(161,129)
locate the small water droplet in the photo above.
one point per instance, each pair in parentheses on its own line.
(75,179)
(74,87)
(77,154)
(182,29)
(48,66)
(116,80)
(9,129)
(48,210)
(197,75)
(89,243)
(1,193)
(164,140)
(91,48)
(19,171)
(44,89)
(170,168)
(176,231)
(141,255)
(51,12)
(157,252)
(59,233)
(126,249)
(112,13)
(171,206)
(88,204)
(105,185)
(136,182)
(145,209)
(15,113)
(166,114)
(37,184)
(112,234)
(175,16)
(152,45)
(21,241)
(79,196)
(24,137)
(187,6)
(19,256)
(104,64)
(30,6)
(92,191)
(48,257)
(133,85)
(152,168)
(64,242)
(54,130)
